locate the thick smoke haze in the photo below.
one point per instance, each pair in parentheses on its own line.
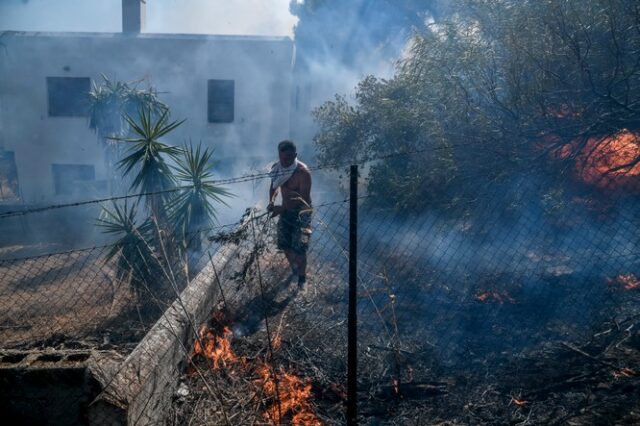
(172,72)
(337,44)
(340,43)
(254,17)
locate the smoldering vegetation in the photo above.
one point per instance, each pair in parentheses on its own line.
(489,312)
(498,274)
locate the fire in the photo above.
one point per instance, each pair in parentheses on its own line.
(605,161)
(487,296)
(625,372)
(519,402)
(216,349)
(611,159)
(629,281)
(290,395)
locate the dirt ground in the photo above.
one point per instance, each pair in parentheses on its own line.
(69,299)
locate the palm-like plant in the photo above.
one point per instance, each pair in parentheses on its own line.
(193,208)
(109,102)
(147,155)
(135,260)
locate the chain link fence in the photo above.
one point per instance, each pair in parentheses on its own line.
(515,304)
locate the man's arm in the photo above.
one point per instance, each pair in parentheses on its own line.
(272,195)
(272,191)
(305,186)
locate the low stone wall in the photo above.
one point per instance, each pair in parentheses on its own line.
(138,390)
(45,387)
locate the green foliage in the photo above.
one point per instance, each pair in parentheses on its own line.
(134,259)
(194,206)
(488,94)
(111,101)
(147,154)
(387,120)
(176,214)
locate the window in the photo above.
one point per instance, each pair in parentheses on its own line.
(8,176)
(220,101)
(68,96)
(69,179)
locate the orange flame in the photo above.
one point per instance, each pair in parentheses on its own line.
(629,281)
(519,402)
(291,394)
(216,349)
(625,372)
(610,159)
(487,296)
(605,162)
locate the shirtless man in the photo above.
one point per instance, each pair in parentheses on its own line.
(293,179)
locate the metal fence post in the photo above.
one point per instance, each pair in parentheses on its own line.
(352,345)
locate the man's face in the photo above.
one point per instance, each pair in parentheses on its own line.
(286,157)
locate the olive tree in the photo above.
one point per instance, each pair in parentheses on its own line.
(483,96)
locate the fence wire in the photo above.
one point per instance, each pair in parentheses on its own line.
(511,304)
(516,303)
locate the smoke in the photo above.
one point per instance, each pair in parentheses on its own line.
(246,17)
(498,264)
(253,17)
(335,48)
(339,43)
(60,15)
(177,67)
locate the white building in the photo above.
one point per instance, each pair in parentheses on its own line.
(234,91)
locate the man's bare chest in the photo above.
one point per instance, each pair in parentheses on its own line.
(292,185)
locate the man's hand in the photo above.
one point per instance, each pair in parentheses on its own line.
(275,210)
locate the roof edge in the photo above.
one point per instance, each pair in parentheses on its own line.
(168,36)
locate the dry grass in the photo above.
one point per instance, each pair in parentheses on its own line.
(65,297)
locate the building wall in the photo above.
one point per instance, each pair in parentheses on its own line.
(178,66)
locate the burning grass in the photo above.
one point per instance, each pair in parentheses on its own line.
(540,374)
(627,281)
(260,388)
(549,343)
(242,379)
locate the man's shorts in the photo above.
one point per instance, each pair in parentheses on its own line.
(294,231)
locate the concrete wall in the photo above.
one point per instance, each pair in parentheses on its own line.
(177,65)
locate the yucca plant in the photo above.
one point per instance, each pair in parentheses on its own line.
(194,206)
(147,157)
(108,105)
(110,101)
(135,260)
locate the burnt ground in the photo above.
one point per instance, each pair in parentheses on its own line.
(494,354)
(550,345)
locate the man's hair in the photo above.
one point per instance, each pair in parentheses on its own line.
(287,145)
